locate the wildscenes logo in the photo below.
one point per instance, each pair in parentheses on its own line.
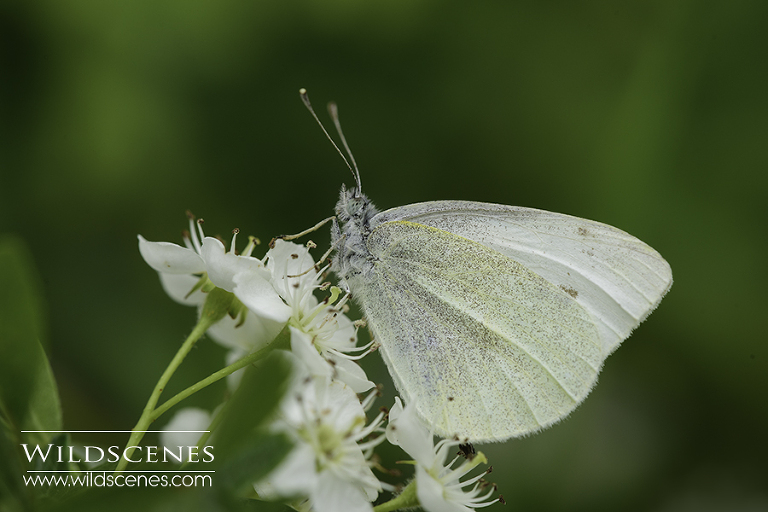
(133,454)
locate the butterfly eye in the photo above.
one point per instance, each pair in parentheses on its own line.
(354,206)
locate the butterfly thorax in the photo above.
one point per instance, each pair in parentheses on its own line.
(351,228)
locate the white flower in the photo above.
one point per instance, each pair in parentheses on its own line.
(328,464)
(177,432)
(274,293)
(324,362)
(438,485)
(290,275)
(321,334)
(187,272)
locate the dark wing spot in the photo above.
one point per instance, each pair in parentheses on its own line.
(570,291)
(583,231)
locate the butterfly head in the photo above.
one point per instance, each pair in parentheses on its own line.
(354,206)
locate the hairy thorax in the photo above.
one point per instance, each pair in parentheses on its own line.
(350,231)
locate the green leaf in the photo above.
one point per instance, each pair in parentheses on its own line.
(14,496)
(253,461)
(255,400)
(244,452)
(28,396)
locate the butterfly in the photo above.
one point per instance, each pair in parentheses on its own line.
(493,320)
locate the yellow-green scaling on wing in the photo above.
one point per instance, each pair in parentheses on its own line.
(495,320)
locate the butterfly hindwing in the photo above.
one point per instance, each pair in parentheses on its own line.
(486,348)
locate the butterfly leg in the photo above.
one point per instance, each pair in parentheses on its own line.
(305,232)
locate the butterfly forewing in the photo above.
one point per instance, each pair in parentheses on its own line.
(486,348)
(617,278)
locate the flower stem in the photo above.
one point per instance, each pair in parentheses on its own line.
(146,418)
(405,499)
(278,342)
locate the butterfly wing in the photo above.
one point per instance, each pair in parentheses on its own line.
(484,347)
(617,278)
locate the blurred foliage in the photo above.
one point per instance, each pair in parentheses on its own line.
(28,395)
(115,117)
(29,401)
(244,453)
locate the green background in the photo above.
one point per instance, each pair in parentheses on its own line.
(116,117)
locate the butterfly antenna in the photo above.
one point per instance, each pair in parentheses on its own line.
(333,110)
(355,174)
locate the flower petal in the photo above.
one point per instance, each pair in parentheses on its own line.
(345,338)
(295,475)
(332,494)
(222,266)
(253,334)
(431,494)
(394,413)
(406,430)
(344,403)
(178,286)
(289,258)
(258,295)
(189,418)
(351,374)
(302,346)
(170,258)
(354,463)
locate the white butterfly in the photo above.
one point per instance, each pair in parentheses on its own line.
(493,320)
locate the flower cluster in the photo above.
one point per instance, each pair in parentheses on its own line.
(438,485)
(329,466)
(187,273)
